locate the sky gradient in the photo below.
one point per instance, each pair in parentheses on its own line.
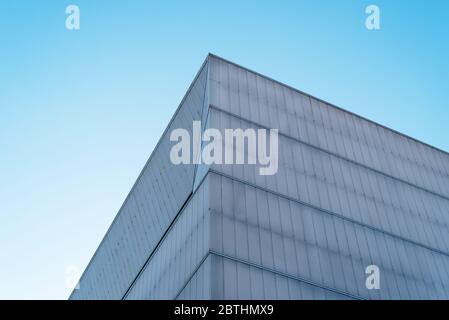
(81,111)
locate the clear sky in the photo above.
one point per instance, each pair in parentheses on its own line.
(81,111)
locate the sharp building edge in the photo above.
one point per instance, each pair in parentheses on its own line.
(348,194)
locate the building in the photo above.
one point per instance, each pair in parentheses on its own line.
(348,194)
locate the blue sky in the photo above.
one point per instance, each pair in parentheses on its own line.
(81,111)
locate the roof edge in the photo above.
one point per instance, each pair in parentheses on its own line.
(206,60)
(446,153)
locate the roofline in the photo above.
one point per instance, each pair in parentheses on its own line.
(330,104)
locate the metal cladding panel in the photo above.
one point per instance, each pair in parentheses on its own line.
(362,193)
(180,252)
(223,278)
(199,285)
(201,168)
(157,196)
(271,104)
(272,232)
(234,279)
(346,189)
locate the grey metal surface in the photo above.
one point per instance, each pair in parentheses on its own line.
(180,253)
(343,188)
(365,195)
(236,280)
(259,227)
(158,194)
(348,193)
(199,285)
(299,116)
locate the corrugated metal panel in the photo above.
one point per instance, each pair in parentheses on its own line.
(180,253)
(223,278)
(199,285)
(238,280)
(341,187)
(262,228)
(273,105)
(155,199)
(362,194)
(201,168)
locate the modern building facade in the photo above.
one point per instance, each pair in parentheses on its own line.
(348,193)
